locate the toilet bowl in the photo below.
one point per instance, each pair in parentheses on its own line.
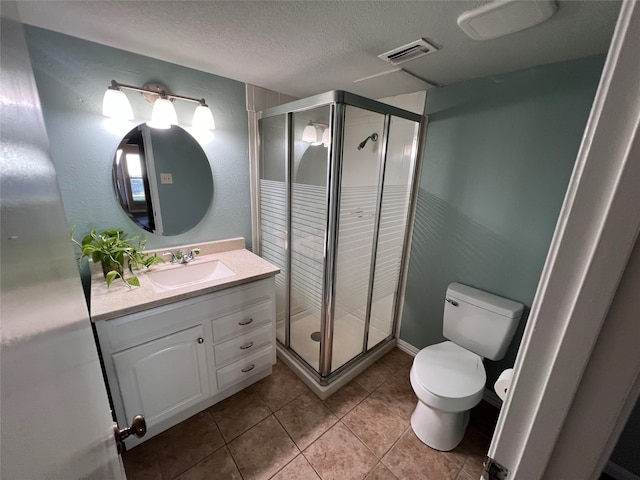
(448,381)
(449,377)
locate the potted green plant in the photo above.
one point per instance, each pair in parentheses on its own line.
(117,252)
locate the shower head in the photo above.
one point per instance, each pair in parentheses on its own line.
(373,137)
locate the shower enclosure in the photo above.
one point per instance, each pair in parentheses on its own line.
(336,182)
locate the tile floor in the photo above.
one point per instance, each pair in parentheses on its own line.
(279,429)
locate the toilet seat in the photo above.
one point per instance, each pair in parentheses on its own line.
(448,377)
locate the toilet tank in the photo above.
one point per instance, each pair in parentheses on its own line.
(479,321)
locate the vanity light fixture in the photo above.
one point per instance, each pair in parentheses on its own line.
(203,117)
(116,105)
(310,133)
(163,114)
(326,137)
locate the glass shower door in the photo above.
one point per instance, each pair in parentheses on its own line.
(309,177)
(400,160)
(361,165)
(273,210)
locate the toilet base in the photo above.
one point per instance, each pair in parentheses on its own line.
(440,430)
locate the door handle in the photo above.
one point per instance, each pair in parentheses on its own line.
(138,428)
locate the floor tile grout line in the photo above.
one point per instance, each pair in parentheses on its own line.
(288,434)
(311,464)
(392,447)
(285,430)
(362,441)
(394,442)
(235,462)
(241,433)
(286,465)
(385,467)
(202,460)
(352,408)
(260,421)
(288,401)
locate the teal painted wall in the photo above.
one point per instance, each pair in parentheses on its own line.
(499,154)
(189,196)
(72,75)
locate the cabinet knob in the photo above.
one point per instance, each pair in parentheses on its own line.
(200,340)
(245,322)
(249,368)
(246,345)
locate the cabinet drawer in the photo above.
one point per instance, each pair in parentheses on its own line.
(243,345)
(244,368)
(240,322)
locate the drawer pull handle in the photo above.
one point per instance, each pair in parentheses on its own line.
(246,322)
(200,340)
(246,345)
(249,368)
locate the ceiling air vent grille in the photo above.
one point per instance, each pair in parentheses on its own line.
(408,52)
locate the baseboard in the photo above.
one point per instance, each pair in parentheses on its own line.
(619,473)
(407,347)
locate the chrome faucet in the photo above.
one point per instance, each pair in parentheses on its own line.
(181,257)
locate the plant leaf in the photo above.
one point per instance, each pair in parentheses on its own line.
(133,281)
(111,276)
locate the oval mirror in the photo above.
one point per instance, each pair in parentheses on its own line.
(162,179)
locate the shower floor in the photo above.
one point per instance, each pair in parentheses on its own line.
(348,332)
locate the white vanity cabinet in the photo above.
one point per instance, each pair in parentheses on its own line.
(170,362)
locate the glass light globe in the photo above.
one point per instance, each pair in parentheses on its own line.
(203,118)
(115,104)
(163,114)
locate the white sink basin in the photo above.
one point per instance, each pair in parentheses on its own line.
(178,276)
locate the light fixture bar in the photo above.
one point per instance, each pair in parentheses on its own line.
(117,85)
(163,115)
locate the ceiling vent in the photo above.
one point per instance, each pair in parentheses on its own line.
(502,17)
(408,52)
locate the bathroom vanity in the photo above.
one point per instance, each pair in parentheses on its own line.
(172,351)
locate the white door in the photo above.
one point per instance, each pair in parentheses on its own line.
(573,386)
(56,421)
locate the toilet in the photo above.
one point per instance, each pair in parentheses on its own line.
(449,377)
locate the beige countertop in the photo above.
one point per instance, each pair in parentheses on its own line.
(118,299)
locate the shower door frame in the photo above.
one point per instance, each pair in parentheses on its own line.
(338,100)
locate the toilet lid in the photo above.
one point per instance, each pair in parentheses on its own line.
(448,370)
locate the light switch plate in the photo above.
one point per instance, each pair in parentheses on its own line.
(166,178)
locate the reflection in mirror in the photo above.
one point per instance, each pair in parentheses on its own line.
(162,179)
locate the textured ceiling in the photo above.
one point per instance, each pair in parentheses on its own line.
(307,47)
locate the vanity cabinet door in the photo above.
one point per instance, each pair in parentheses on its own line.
(165,376)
